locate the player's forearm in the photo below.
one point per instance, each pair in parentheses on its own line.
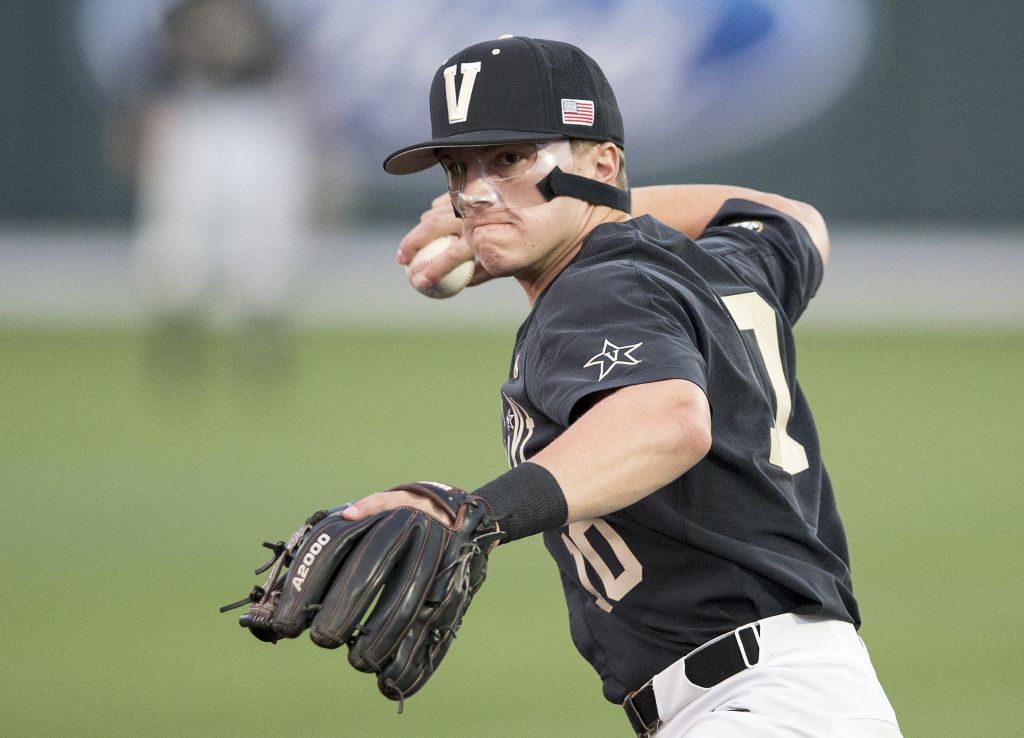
(628,445)
(689,208)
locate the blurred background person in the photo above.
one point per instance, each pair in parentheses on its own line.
(219,153)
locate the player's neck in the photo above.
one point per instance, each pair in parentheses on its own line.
(536,282)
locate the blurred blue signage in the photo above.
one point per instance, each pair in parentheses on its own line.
(695,80)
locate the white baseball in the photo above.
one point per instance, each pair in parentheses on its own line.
(450,284)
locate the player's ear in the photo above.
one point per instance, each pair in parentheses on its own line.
(606,162)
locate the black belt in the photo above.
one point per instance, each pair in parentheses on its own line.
(706,666)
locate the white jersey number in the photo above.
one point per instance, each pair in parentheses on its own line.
(616,586)
(751,312)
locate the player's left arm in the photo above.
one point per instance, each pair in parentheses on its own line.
(631,442)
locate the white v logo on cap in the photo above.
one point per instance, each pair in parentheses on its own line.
(458,102)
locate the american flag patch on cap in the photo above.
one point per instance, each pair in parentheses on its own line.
(578,112)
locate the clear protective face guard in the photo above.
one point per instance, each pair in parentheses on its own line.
(501,177)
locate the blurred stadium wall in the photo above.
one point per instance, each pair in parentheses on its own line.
(906,135)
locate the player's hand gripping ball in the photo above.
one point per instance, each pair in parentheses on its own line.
(451,283)
(393,587)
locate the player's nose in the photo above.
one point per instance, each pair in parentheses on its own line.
(476,193)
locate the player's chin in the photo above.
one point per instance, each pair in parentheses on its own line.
(491,242)
(494,260)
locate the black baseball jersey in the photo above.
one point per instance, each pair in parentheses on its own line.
(752,530)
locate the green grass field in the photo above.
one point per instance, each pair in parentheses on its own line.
(134,507)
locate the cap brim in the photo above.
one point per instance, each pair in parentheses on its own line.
(421,156)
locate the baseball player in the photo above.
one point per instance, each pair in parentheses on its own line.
(657,435)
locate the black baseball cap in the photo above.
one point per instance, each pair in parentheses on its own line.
(514,90)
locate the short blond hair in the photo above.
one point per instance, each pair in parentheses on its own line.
(621,181)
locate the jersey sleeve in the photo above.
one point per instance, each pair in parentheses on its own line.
(608,327)
(769,246)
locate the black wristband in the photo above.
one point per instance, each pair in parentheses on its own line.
(525,501)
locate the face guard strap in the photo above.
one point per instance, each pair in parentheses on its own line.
(558,183)
(555,184)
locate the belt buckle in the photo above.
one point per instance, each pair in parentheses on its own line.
(640,726)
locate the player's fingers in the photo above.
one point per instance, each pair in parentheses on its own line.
(370,505)
(456,253)
(438,221)
(383,501)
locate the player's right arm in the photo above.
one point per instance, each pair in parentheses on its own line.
(689,208)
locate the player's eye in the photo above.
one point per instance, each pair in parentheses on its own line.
(511,162)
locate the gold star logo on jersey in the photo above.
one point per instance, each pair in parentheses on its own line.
(612,356)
